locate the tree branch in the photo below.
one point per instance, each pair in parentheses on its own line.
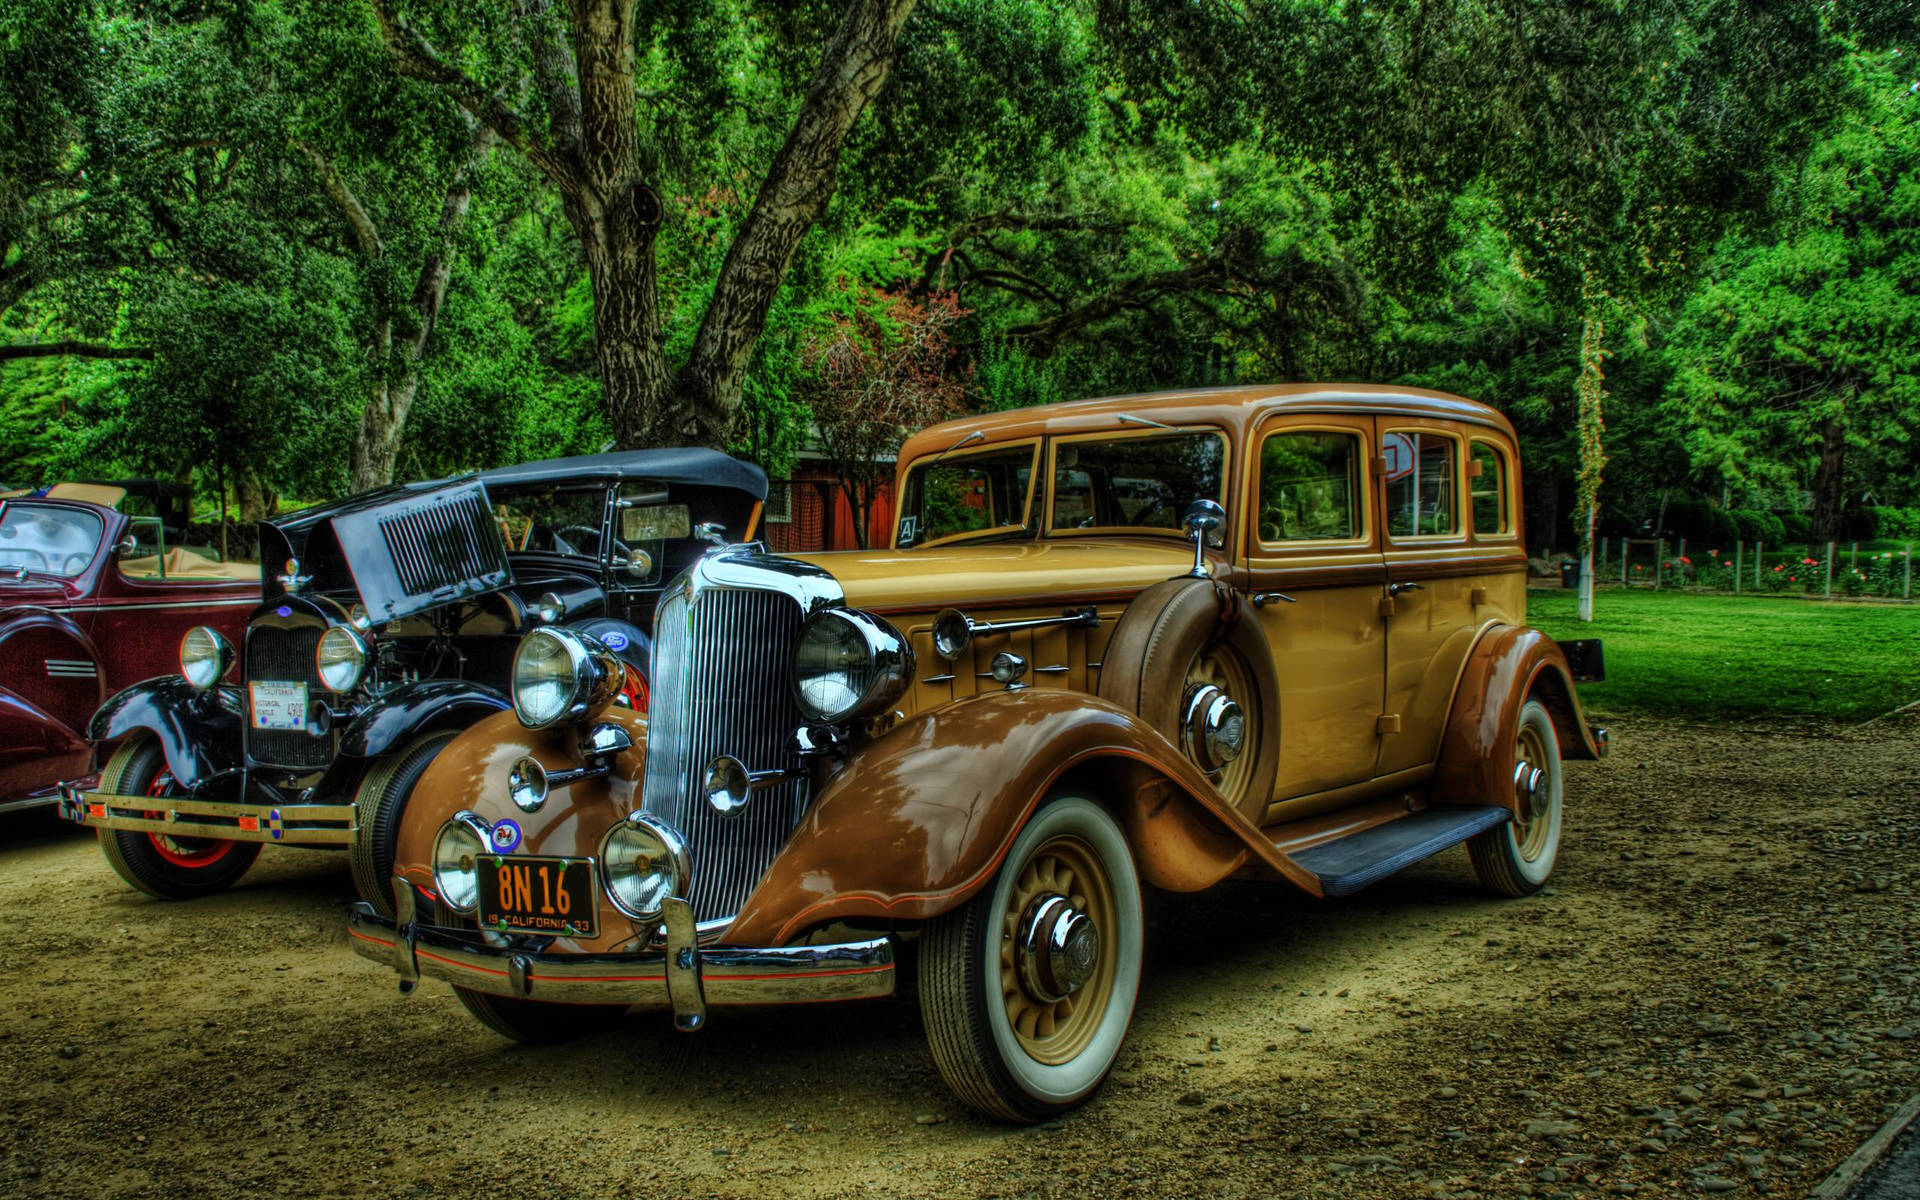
(801,181)
(73,350)
(364,230)
(415,57)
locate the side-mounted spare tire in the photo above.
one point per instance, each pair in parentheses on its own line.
(1188,634)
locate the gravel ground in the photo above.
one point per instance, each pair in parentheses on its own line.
(1715,996)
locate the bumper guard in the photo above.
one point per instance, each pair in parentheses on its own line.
(682,977)
(185,816)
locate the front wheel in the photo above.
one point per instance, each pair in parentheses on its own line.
(1515,858)
(378,804)
(162,865)
(1027,990)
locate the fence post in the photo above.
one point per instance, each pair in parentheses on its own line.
(1759,553)
(1603,558)
(1907,592)
(1853,556)
(1625,550)
(1829,570)
(1659,557)
(1739,562)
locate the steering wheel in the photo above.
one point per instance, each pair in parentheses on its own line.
(588,532)
(75,564)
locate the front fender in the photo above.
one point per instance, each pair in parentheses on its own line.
(416,708)
(918,822)
(199,732)
(1508,666)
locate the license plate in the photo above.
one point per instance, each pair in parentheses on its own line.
(278,705)
(538,895)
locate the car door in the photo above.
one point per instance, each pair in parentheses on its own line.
(1313,539)
(1431,581)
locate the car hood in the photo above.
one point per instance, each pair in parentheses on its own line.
(1003,573)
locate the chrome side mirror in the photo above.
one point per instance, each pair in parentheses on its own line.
(1204,518)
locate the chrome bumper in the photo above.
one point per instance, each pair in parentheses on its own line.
(682,977)
(184,816)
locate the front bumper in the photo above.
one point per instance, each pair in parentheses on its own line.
(185,816)
(683,977)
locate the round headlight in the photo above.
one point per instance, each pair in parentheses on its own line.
(456,861)
(205,656)
(560,674)
(340,658)
(644,863)
(849,664)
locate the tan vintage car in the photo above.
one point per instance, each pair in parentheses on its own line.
(1260,632)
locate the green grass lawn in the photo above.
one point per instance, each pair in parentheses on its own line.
(1739,656)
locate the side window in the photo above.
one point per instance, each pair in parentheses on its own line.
(1421,478)
(1487,483)
(1310,487)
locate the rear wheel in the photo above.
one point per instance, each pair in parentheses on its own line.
(1027,990)
(162,865)
(1514,859)
(538,1022)
(378,805)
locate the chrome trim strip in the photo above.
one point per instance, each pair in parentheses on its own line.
(730,975)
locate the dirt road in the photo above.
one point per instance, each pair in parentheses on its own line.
(1716,996)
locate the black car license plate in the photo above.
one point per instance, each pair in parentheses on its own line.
(538,895)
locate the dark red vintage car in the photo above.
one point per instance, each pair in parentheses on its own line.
(86,608)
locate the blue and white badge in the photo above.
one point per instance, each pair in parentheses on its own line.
(616,640)
(283,611)
(505,836)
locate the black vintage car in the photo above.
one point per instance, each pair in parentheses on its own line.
(388,623)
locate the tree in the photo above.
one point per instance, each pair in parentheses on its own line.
(885,372)
(1801,356)
(588,147)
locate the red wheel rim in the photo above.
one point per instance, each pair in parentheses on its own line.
(190,853)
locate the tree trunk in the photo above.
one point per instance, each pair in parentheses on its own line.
(1590,390)
(1829,483)
(256,502)
(634,379)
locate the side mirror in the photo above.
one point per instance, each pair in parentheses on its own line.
(128,547)
(1204,518)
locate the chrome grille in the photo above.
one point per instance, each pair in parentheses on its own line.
(721,663)
(444,545)
(282,653)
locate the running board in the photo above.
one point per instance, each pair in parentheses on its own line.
(1345,865)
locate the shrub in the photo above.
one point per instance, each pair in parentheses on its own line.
(1795,527)
(1758,525)
(1884,522)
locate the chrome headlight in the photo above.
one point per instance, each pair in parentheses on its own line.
(644,863)
(340,658)
(205,656)
(849,664)
(560,674)
(456,862)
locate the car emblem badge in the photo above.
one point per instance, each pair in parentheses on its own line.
(616,641)
(283,611)
(275,825)
(505,837)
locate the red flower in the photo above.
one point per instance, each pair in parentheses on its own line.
(1810,562)
(1686,560)
(1791,579)
(1780,568)
(1715,553)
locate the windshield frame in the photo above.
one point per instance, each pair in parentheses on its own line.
(1025,527)
(1224,437)
(88,512)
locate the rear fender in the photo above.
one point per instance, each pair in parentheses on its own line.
(199,732)
(920,820)
(1508,666)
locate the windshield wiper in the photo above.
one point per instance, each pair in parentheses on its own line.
(975,436)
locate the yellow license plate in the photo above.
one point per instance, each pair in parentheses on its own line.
(538,895)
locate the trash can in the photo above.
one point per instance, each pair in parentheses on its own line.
(1569,572)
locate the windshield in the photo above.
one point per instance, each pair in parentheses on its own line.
(47,539)
(1134,482)
(552,521)
(967,496)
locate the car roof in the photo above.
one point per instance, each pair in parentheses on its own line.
(1238,407)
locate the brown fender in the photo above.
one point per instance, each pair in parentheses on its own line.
(920,820)
(471,774)
(1507,666)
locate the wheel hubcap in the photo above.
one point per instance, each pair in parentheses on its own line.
(1532,791)
(1213,727)
(1527,779)
(1057,949)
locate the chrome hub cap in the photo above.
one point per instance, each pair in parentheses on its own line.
(1527,779)
(1213,727)
(1056,950)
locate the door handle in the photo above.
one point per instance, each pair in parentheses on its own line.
(1262,599)
(1394,589)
